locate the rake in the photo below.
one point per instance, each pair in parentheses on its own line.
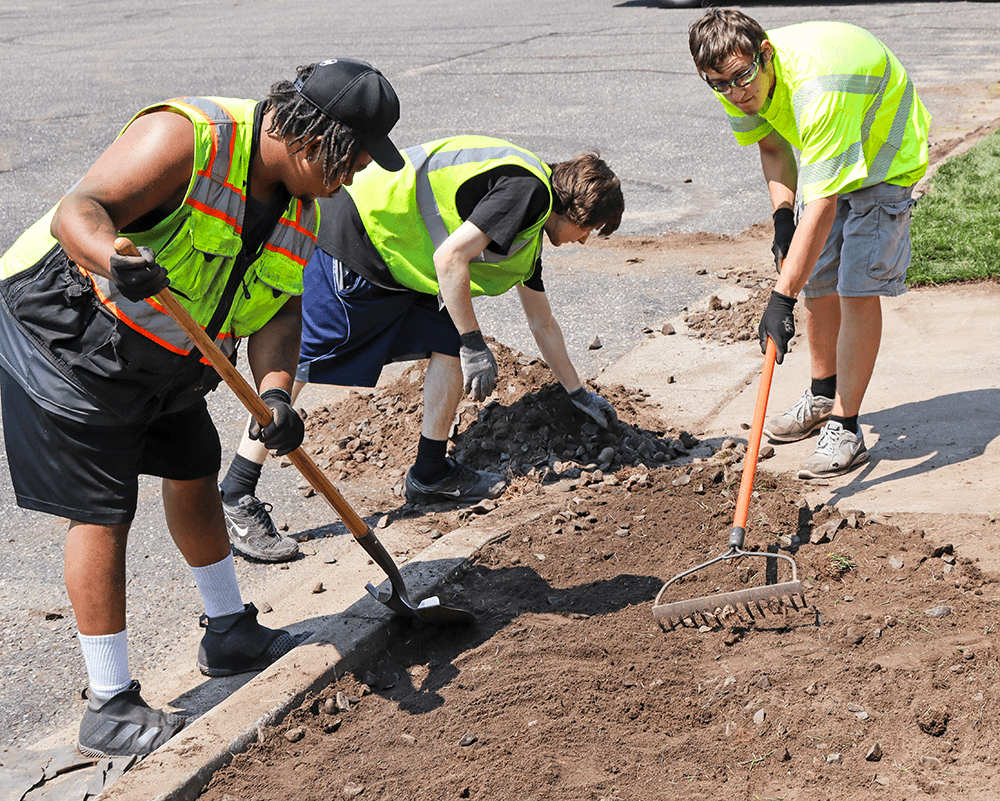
(753,602)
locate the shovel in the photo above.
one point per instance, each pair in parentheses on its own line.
(771,597)
(428,610)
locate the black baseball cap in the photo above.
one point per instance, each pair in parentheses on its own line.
(358,95)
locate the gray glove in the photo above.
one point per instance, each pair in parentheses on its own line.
(595,407)
(479,368)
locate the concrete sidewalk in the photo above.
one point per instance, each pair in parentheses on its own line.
(931,417)
(931,420)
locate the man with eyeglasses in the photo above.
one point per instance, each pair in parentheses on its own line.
(836,94)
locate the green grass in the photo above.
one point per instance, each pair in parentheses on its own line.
(955,228)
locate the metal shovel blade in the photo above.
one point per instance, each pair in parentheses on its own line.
(396,598)
(428,610)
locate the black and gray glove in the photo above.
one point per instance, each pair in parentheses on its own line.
(784,230)
(479,368)
(286,429)
(595,407)
(778,323)
(138,277)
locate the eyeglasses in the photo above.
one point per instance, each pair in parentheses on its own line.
(743,79)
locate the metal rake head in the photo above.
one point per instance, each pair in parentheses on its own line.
(728,607)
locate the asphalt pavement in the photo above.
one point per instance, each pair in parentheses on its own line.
(556,78)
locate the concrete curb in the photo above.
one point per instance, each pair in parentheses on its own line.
(181,769)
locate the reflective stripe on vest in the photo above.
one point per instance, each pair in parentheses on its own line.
(427,202)
(880,165)
(846,103)
(200,250)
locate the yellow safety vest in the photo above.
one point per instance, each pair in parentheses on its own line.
(409,213)
(198,243)
(845,101)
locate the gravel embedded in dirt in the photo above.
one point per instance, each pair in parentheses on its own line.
(566,686)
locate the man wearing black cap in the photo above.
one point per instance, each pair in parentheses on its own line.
(98,384)
(399,257)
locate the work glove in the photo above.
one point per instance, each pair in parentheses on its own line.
(778,323)
(594,406)
(286,429)
(784,229)
(138,277)
(479,368)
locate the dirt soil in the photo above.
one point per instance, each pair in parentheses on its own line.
(566,686)
(883,685)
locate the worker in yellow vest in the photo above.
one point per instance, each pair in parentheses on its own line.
(399,258)
(99,384)
(836,94)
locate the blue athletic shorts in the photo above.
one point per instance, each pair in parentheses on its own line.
(868,249)
(90,473)
(352,328)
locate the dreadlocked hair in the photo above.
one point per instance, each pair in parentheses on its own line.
(299,123)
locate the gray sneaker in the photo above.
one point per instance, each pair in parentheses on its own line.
(461,484)
(808,414)
(837,452)
(125,724)
(252,532)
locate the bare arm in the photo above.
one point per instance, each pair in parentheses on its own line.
(548,336)
(780,170)
(451,261)
(781,174)
(147,169)
(807,244)
(273,351)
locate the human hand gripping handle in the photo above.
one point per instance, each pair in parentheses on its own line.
(595,407)
(784,230)
(282,425)
(137,274)
(777,323)
(286,430)
(479,368)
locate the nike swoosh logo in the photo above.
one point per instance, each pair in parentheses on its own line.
(242,531)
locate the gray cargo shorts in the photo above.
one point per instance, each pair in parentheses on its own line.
(868,249)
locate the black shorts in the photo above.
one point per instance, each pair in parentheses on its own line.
(90,473)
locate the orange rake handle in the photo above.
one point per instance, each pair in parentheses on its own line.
(753,446)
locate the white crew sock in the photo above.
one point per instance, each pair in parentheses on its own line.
(220,592)
(106,656)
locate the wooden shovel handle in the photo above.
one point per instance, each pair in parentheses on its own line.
(250,399)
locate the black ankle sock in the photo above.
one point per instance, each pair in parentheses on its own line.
(824,387)
(849,423)
(241,479)
(431,465)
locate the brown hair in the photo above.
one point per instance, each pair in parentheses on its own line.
(720,33)
(588,193)
(298,122)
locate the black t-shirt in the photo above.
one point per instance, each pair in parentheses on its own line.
(500,202)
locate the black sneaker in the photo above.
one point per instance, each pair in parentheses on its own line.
(461,484)
(125,725)
(239,644)
(252,532)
